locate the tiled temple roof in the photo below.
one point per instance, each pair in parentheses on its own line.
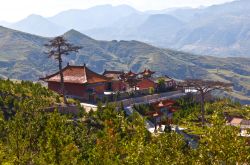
(114,75)
(77,75)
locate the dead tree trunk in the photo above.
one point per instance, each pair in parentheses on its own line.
(202,109)
(62,80)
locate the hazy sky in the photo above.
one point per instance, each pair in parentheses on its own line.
(13,10)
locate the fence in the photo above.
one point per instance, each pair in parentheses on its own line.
(148,98)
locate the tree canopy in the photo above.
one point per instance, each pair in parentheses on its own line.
(105,136)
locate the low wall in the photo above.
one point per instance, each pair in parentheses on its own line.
(148,98)
(88,107)
(136,100)
(72,109)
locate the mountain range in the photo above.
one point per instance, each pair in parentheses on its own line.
(22,57)
(220,30)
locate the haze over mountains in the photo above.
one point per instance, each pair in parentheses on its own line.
(22,57)
(221,30)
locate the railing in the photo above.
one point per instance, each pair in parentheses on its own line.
(148,98)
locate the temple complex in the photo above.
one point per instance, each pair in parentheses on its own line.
(82,83)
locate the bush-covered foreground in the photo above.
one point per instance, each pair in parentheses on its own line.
(107,136)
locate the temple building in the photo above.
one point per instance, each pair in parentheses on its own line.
(169,82)
(146,80)
(82,83)
(166,108)
(116,81)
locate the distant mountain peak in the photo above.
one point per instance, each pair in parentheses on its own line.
(102,6)
(112,6)
(35,16)
(36,24)
(74,34)
(125,6)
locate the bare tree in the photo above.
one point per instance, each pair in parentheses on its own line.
(58,47)
(204,87)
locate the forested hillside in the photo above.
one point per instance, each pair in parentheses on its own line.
(107,136)
(20,95)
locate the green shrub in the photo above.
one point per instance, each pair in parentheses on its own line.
(151,90)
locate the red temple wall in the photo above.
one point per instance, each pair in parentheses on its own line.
(70,89)
(78,89)
(118,86)
(54,86)
(145,84)
(99,89)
